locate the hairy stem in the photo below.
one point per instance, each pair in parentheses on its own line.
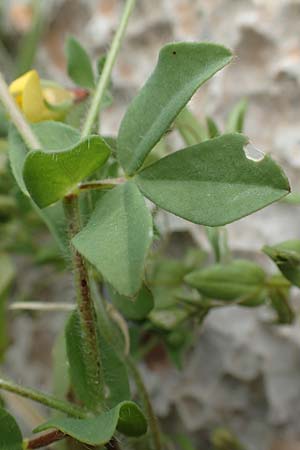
(107,69)
(155,433)
(86,310)
(85,306)
(17,117)
(44,399)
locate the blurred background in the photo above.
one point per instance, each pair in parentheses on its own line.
(242,373)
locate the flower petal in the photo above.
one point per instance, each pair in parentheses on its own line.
(32,98)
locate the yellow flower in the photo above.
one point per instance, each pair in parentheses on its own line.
(40,100)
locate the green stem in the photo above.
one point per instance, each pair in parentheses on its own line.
(278,282)
(44,399)
(85,306)
(17,117)
(107,69)
(155,433)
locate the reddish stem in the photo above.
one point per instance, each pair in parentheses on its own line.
(46,439)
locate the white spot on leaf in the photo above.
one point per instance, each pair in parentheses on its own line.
(253,153)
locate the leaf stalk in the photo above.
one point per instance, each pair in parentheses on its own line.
(45,399)
(107,69)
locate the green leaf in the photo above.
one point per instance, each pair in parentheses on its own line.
(279,297)
(177,343)
(287,258)
(17,153)
(166,272)
(60,374)
(49,176)
(52,135)
(115,374)
(212,127)
(10,434)
(215,182)
(114,371)
(55,135)
(55,220)
(86,392)
(169,318)
(239,280)
(190,128)
(165,296)
(219,243)
(125,417)
(164,277)
(293,198)
(136,308)
(79,65)
(117,238)
(181,69)
(236,119)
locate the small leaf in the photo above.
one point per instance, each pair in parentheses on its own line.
(126,418)
(55,135)
(212,127)
(191,130)
(166,272)
(117,238)
(169,318)
(213,183)
(17,153)
(10,434)
(181,69)
(55,220)
(236,118)
(239,280)
(177,343)
(80,68)
(287,258)
(136,308)
(164,277)
(60,374)
(49,176)
(279,297)
(293,198)
(115,374)
(165,296)
(217,237)
(52,136)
